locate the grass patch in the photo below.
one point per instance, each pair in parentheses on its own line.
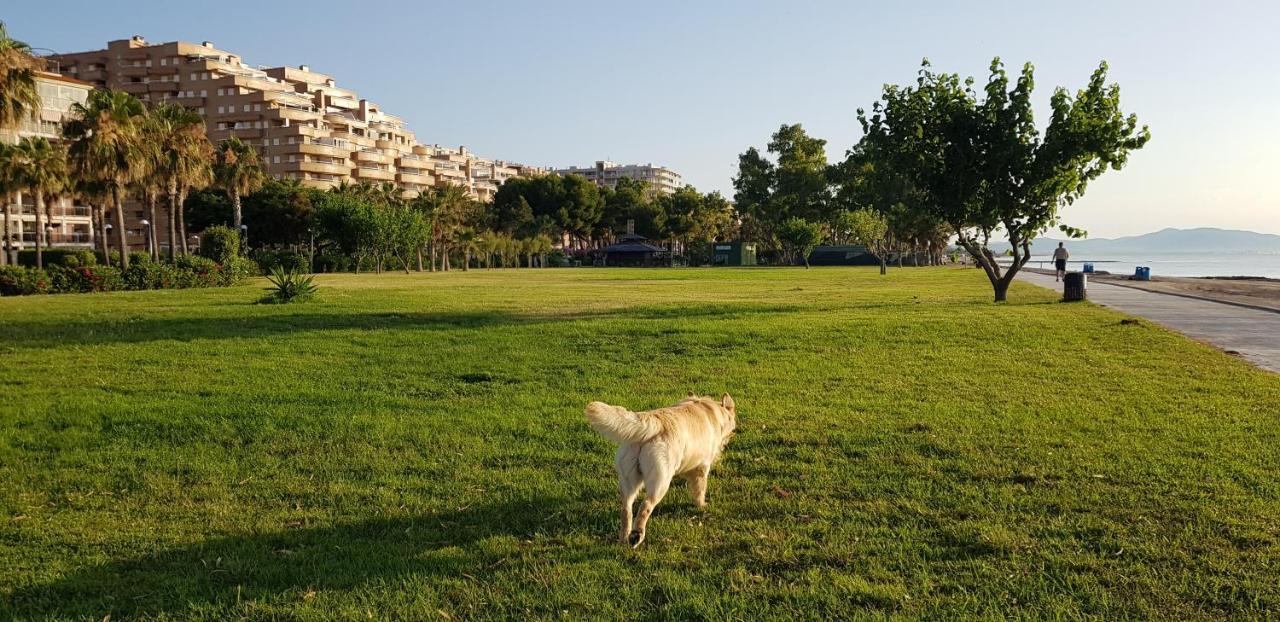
(413,447)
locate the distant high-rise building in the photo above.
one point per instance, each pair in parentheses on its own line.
(304,125)
(68,222)
(606,174)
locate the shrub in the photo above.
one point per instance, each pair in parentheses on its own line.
(82,257)
(57,257)
(115,258)
(220,243)
(289,260)
(289,286)
(333,262)
(84,279)
(139,257)
(23,281)
(197,271)
(238,269)
(152,275)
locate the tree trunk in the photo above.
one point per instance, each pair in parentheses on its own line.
(172,225)
(120,232)
(48,218)
(182,220)
(1001,287)
(8,243)
(235,203)
(883,265)
(152,197)
(101,234)
(419,259)
(39,229)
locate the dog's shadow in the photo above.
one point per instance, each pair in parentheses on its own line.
(220,572)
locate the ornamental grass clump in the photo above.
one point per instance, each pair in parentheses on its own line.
(289,286)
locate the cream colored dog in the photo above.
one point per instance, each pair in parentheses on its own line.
(657,445)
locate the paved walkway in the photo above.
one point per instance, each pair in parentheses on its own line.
(1252,333)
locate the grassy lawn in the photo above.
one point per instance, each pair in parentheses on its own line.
(413,447)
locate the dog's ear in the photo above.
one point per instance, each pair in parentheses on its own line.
(727,401)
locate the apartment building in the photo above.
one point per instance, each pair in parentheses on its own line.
(606,174)
(69,222)
(305,126)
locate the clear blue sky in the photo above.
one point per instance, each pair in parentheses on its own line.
(691,84)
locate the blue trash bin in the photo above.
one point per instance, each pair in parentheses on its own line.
(1143,273)
(1088,268)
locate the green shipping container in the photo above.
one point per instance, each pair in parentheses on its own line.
(735,254)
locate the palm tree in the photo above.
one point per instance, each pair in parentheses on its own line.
(9,166)
(106,147)
(183,160)
(19,93)
(42,172)
(238,172)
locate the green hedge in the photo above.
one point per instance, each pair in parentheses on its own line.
(188,271)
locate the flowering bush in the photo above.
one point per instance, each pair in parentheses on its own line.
(188,271)
(84,279)
(20,281)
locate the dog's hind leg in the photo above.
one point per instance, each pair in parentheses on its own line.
(657,479)
(629,481)
(698,485)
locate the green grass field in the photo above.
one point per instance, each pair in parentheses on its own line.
(413,447)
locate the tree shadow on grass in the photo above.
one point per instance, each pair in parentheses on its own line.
(216,574)
(41,334)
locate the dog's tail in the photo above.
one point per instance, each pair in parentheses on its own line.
(621,425)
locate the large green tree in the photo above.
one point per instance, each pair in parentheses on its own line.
(799,237)
(795,184)
(980,164)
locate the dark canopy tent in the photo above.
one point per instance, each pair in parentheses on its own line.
(633,250)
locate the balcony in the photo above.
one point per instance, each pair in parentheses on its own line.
(316,148)
(411,176)
(367,155)
(373,173)
(323,168)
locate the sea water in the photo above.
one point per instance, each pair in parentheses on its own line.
(1173,264)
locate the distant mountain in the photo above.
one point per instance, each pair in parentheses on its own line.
(1202,240)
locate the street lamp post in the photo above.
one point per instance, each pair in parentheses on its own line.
(146,228)
(244,239)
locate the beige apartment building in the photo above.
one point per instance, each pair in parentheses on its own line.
(305,126)
(606,174)
(69,222)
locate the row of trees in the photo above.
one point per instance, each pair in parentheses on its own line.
(939,160)
(591,216)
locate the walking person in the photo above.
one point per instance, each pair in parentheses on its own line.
(1060,256)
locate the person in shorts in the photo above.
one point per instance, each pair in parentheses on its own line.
(1060,256)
